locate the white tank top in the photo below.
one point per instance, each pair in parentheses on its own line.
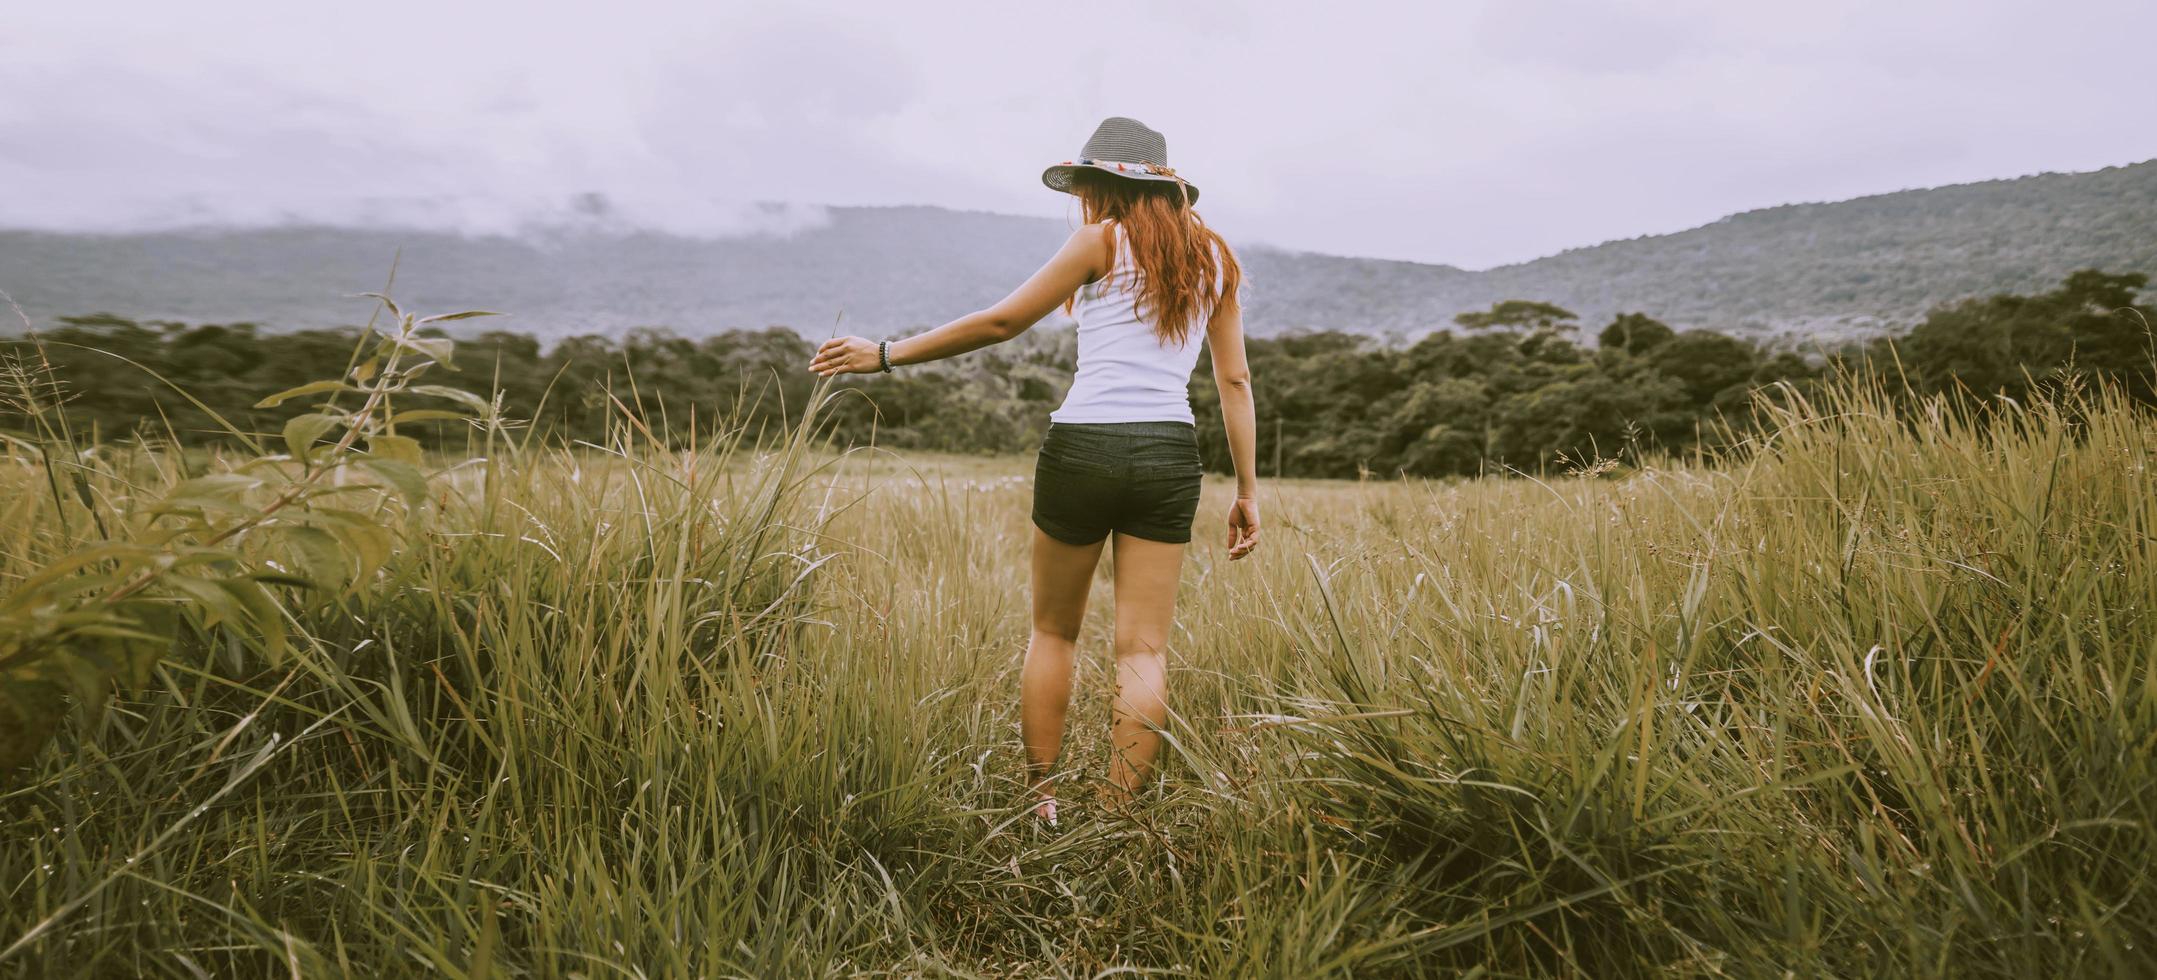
(1125,372)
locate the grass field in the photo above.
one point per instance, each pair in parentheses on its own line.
(1876,699)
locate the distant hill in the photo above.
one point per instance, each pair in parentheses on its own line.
(1805,269)
(1892,256)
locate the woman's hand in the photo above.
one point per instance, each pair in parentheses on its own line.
(1242,528)
(846,355)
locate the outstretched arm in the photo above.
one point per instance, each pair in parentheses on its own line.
(1239,414)
(1083,259)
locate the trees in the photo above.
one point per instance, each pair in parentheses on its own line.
(1520,315)
(2001,345)
(1635,333)
(1706,365)
(2110,335)
(1515,389)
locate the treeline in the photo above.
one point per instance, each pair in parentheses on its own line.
(1520,385)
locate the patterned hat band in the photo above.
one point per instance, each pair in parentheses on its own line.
(1121,147)
(1143,166)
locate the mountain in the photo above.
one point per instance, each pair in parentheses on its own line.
(1802,267)
(1808,270)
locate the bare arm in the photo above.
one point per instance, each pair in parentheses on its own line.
(1239,414)
(1084,258)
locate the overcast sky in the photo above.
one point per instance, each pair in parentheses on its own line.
(1470,133)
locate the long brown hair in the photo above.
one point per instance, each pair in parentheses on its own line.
(1184,267)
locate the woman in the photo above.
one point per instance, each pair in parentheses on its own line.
(1146,280)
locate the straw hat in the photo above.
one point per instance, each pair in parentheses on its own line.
(1125,148)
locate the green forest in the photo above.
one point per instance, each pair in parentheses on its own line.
(1522,385)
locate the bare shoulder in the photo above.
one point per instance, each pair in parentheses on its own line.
(1098,235)
(1096,241)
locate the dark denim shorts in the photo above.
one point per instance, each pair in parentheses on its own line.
(1139,478)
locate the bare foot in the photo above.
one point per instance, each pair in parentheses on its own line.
(1045,810)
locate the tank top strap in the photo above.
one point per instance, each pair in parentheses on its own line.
(1119,248)
(1121,264)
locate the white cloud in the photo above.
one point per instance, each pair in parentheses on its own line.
(1472,133)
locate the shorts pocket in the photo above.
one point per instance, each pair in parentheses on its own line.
(1165,462)
(1080,462)
(1162,452)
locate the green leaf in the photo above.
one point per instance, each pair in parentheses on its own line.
(394,310)
(216,486)
(119,632)
(158,621)
(371,544)
(330,517)
(310,388)
(218,606)
(216,492)
(304,430)
(320,555)
(199,507)
(442,349)
(459,395)
(403,449)
(436,348)
(280,578)
(428,415)
(466,315)
(401,475)
(191,557)
(128,555)
(87,680)
(262,612)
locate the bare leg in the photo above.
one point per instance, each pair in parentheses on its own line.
(1062,575)
(1146,573)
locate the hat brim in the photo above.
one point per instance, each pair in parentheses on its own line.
(1059,177)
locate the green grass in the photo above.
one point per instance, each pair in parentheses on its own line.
(1876,699)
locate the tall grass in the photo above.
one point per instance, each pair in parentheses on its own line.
(1875,698)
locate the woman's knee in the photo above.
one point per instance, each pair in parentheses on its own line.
(1057,628)
(1140,645)
(1142,682)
